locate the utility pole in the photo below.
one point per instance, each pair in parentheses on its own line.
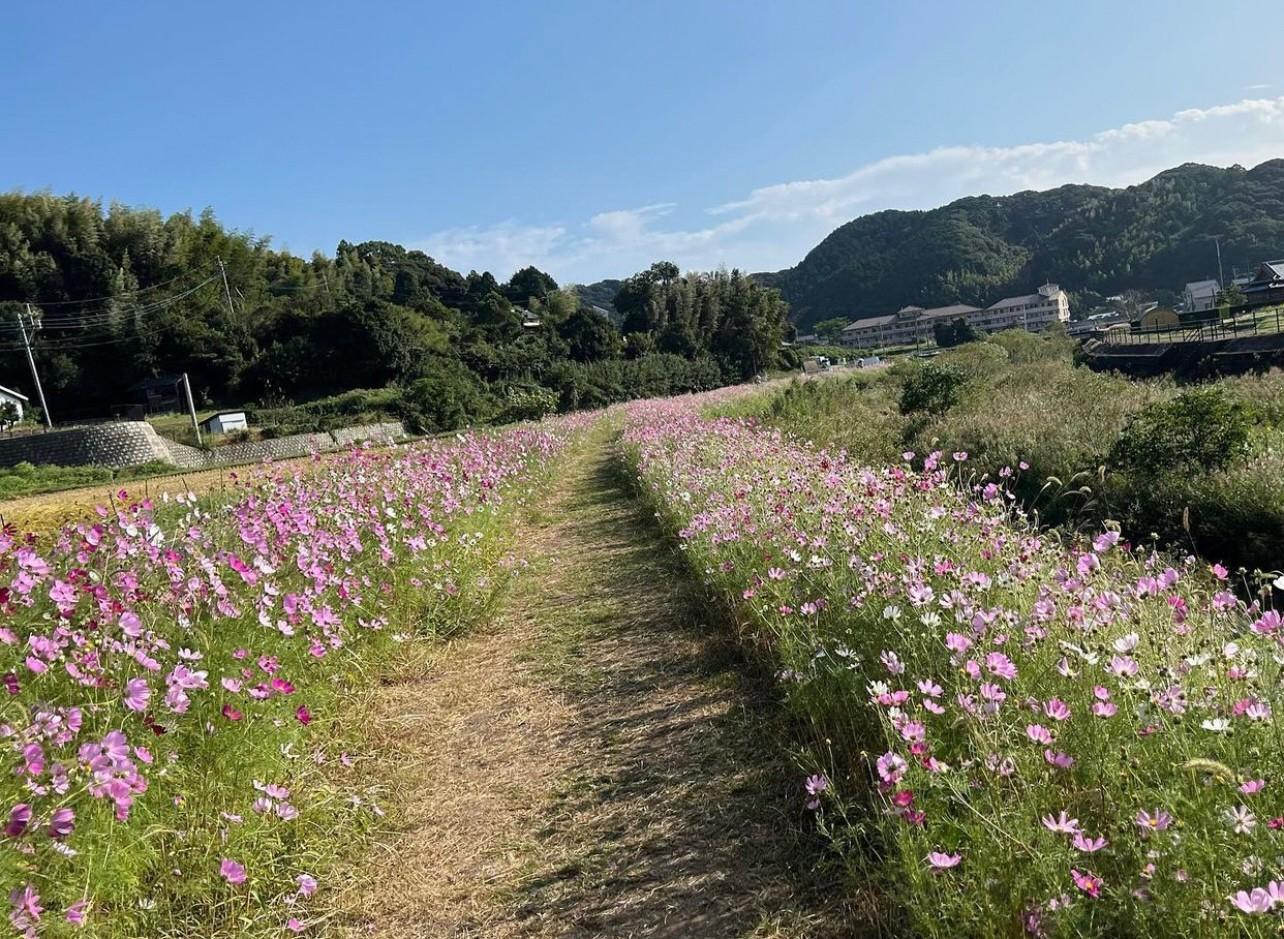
(1221,284)
(227,291)
(31,360)
(191,407)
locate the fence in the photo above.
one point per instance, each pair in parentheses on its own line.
(1259,322)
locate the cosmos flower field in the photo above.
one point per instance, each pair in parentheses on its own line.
(1012,732)
(177,679)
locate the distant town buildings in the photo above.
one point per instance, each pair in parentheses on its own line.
(1034,311)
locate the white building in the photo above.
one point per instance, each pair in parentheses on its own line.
(1201,295)
(224,422)
(18,400)
(912,324)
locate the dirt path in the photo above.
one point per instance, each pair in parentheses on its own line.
(595,765)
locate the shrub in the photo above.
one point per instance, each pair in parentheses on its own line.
(447,398)
(525,403)
(932,388)
(1203,429)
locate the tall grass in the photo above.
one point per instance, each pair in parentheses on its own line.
(1023,402)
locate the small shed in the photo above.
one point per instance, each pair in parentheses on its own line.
(225,421)
(17,399)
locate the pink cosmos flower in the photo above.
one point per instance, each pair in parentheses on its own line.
(232,872)
(1254,901)
(1056,709)
(891,767)
(307,885)
(137,694)
(26,910)
(303,715)
(1252,786)
(76,912)
(19,819)
(1001,665)
(1038,733)
(1148,822)
(815,785)
(61,823)
(1058,759)
(1062,824)
(294,924)
(942,861)
(1082,842)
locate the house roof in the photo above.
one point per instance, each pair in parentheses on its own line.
(1273,269)
(955,309)
(160,381)
(1195,285)
(871,321)
(218,414)
(15,394)
(1022,300)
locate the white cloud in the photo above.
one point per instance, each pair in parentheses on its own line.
(773,226)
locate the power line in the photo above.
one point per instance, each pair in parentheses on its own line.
(87,300)
(65,321)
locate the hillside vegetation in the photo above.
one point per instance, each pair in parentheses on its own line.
(1093,241)
(125,295)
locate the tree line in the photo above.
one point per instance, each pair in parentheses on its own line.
(124,295)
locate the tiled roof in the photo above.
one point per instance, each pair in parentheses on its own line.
(1017,301)
(872,321)
(957,309)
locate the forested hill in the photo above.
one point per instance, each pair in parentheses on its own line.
(125,295)
(1093,241)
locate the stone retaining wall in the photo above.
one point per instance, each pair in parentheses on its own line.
(130,443)
(125,443)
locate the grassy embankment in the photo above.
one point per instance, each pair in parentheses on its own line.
(1201,467)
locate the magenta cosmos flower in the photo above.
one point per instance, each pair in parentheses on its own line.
(1087,882)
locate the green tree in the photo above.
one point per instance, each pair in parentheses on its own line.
(831,329)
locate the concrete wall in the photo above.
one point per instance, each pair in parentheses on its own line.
(129,443)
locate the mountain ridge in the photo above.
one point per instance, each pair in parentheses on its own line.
(1092,240)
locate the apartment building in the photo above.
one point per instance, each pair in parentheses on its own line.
(912,324)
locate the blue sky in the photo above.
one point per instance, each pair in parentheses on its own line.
(593,138)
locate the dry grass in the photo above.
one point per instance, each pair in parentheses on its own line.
(50,511)
(595,765)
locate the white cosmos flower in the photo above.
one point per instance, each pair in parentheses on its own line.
(1126,643)
(1218,725)
(1240,819)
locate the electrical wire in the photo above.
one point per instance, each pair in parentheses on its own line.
(102,319)
(88,300)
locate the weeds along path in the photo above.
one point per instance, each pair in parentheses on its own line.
(594,765)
